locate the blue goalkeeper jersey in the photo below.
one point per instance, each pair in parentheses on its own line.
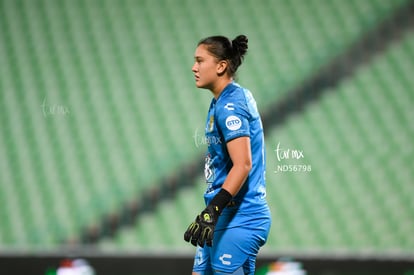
(234,114)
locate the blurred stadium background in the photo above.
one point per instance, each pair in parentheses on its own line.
(102,144)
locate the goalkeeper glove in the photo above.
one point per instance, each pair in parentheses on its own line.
(202,229)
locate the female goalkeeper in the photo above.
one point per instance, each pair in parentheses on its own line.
(235,224)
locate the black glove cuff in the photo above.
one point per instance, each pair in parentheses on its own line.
(220,200)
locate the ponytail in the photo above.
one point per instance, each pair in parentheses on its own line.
(239,46)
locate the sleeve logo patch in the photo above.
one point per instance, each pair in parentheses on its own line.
(233,123)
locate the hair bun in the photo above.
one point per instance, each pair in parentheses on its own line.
(239,45)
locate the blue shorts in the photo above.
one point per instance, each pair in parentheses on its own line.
(233,248)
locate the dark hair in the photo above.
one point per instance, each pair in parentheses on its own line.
(224,49)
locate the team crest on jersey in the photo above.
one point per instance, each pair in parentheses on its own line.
(210,125)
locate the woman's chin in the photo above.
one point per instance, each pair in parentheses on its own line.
(199,84)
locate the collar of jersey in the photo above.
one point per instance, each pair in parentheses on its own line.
(226,89)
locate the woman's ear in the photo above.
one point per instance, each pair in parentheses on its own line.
(222,67)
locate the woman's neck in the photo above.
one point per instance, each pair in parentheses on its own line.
(219,87)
